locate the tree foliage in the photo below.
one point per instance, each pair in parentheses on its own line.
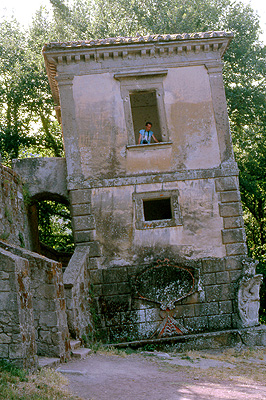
(55,225)
(26,106)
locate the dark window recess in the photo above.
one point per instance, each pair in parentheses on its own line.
(157,209)
(144,108)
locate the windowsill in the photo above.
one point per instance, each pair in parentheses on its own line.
(162,223)
(141,147)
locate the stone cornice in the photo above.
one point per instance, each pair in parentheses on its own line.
(228,168)
(123,48)
(118,41)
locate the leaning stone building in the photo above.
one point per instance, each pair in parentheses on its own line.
(160,243)
(161,223)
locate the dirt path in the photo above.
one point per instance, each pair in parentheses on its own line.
(232,374)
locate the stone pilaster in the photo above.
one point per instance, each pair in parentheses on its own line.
(220,111)
(69,128)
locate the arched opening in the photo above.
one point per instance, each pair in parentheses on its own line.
(50,226)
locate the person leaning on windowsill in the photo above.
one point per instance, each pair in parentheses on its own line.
(146,134)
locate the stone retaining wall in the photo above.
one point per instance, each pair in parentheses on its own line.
(48,303)
(122,315)
(13,216)
(17,334)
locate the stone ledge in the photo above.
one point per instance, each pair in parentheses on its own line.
(80,353)
(193,174)
(151,146)
(48,362)
(253,336)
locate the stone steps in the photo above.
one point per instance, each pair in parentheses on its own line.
(75,344)
(48,362)
(80,353)
(77,352)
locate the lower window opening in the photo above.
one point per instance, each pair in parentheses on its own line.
(157,209)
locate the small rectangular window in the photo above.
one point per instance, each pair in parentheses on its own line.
(157,209)
(144,109)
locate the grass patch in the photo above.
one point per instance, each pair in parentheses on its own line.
(247,365)
(17,384)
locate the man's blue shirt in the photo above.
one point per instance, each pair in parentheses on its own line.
(145,136)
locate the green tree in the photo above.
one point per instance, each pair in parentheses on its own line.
(55,225)
(15,74)
(26,107)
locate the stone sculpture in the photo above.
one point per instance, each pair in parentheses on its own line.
(249,294)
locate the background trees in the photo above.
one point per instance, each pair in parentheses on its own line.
(27,121)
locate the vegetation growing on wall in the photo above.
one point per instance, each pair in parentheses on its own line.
(27,119)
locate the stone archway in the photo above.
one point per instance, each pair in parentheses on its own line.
(44,180)
(50,245)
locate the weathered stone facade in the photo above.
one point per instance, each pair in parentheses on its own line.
(42,325)
(151,273)
(160,241)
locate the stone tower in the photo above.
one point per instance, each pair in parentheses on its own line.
(160,241)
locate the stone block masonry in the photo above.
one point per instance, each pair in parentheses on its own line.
(158,228)
(13,215)
(121,314)
(17,333)
(45,285)
(233,234)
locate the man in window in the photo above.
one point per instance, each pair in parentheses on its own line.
(146,134)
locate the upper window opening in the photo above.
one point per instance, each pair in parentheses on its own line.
(157,209)
(144,108)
